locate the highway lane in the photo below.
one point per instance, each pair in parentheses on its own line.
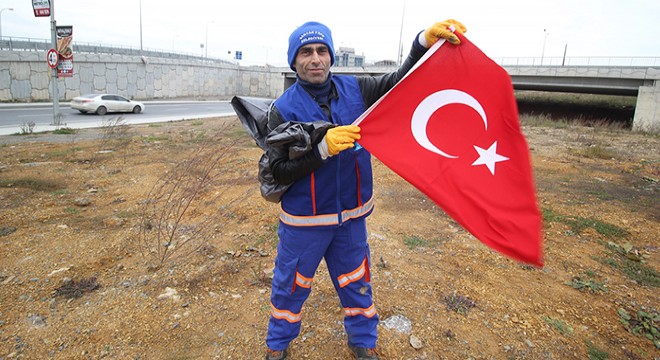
(15,117)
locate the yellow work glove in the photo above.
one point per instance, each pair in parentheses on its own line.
(442,30)
(341,138)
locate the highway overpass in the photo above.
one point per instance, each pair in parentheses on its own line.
(640,81)
(583,79)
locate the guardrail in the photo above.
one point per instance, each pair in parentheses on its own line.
(28,44)
(613,61)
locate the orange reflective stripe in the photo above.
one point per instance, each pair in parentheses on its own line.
(284,314)
(368,312)
(303,281)
(353,276)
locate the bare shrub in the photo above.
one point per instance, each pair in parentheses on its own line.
(58,120)
(115,132)
(27,128)
(190,204)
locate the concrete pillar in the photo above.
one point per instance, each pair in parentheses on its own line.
(647,110)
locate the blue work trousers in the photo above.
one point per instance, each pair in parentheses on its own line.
(346,254)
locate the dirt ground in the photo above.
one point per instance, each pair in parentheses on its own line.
(79,277)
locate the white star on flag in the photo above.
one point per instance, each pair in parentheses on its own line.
(489,157)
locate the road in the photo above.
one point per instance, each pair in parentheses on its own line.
(14,118)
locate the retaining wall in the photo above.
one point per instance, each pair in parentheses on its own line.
(25,77)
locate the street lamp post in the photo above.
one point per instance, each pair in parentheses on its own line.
(206,42)
(173,38)
(545,37)
(403,14)
(141,27)
(10,9)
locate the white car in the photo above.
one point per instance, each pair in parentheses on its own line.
(105,103)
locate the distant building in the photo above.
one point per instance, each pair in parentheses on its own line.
(387,63)
(345,57)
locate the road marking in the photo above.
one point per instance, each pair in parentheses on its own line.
(26,116)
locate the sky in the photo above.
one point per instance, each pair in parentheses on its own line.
(260,28)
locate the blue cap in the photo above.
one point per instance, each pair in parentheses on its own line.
(310,33)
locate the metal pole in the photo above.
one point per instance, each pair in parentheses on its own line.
(544,39)
(174,38)
(206,42)
(400,54)
(563,60)
(53,82)
(140,27)
(10,9)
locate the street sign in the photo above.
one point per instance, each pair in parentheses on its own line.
(41,7)
(52,58)
(239,55)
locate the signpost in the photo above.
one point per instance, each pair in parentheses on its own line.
(55,88)
(43,8)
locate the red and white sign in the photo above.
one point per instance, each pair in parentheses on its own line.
(41,7)
(52,58)
(451,129)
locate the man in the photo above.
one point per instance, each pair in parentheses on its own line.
(329,196)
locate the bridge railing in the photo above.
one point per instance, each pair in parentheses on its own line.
(614,61)
(30,44)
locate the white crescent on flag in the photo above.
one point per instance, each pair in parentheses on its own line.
(431,104)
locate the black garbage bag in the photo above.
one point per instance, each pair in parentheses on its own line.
(253,114)
(294,137)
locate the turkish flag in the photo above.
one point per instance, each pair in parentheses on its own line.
(451,129)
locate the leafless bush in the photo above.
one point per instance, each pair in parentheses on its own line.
(58,120)
(116,132)
(27,128)
(191,203)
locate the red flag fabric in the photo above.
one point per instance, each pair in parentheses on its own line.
(451,129)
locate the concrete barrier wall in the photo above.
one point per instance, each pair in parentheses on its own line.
(647,110)
(25,77)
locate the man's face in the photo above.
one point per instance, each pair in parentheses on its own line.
(313,63)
